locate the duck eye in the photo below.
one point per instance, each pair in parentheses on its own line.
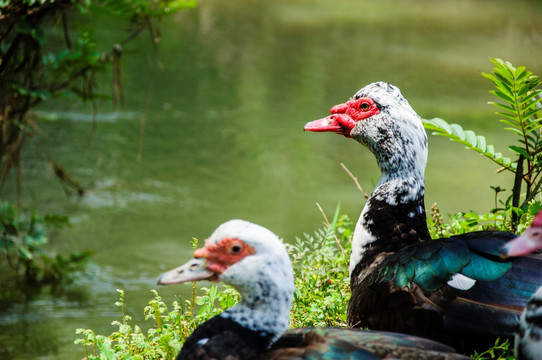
(236,249)
(364,106)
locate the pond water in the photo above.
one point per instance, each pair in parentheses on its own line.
(222,139)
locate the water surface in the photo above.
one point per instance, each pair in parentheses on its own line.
(223,137)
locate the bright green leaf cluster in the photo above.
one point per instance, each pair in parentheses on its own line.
(520,109)
(468,138)
(500,351)
(321,276)
(465,222)
(162,341)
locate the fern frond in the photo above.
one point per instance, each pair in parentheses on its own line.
(468,138)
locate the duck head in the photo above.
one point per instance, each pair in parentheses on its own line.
(379,117)
(255,262)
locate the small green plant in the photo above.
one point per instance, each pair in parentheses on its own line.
(163,340)
(320,266)
(500,351)
(520,109)
(464,222)
(22,242)
(321,298)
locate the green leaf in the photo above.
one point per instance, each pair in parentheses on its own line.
(481,142)
(490,77)
(106,351)
(520,73)
(529,112)
(513,117)
(457,130)
(24,251)
(533,127)
(503,106)
(490,150)
(504,85)
(503,96)
(468,138)
(504,81)
(441,124)
(527,98)
(514,130)
(520,150)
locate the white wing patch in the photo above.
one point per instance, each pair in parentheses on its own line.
(362,237)
(461,282)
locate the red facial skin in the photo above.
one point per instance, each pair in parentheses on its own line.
(223,254)
(537,221)
(343,117)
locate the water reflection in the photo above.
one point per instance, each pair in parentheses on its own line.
(223,137)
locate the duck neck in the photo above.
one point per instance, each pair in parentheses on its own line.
(262,314)
(393,217)
(265,305)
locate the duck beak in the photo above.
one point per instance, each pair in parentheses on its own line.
(524,244)
(326,124)
(338,123)
(191,271)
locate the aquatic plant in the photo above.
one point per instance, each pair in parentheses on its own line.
(23,240)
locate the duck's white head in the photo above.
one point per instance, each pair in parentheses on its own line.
(255,262)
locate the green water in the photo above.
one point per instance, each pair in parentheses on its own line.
(223,137)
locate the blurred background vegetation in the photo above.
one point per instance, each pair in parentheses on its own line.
(161,127)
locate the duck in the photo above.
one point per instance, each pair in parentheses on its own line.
(254,261)
(528,342)
(458,290)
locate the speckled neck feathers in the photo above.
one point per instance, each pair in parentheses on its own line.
(528,344)
(394,215)
(266,288)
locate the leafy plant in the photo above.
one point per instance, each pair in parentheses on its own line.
(500,351)
(22,242)
(162,341)
(320,264)
(520,109)
(464,222)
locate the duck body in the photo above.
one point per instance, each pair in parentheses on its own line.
(254,261)
(458,290)
(232,343)
(528,343)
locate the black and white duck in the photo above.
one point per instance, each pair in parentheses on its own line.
(528,344)
(458,289)
(254,261)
